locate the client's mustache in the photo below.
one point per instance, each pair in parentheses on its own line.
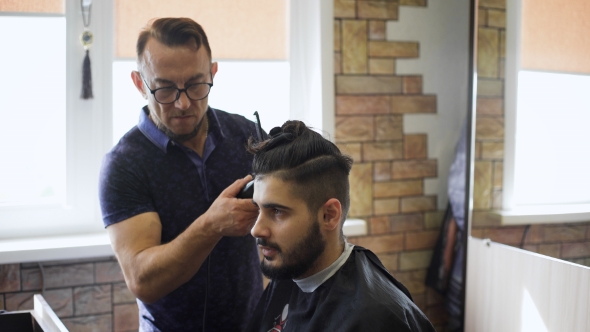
(264,243)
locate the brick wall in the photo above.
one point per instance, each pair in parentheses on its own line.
(87,295)
(567,241)
(387,178)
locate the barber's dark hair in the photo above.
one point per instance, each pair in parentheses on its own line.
(315,166)
(172,31)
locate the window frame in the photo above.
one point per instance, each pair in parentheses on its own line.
(88,133)
(512,214)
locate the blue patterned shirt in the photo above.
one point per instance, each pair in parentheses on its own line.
(148,172)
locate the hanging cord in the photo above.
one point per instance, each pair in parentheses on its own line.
(526,232)
(206,291)
(87,38)
(42,278)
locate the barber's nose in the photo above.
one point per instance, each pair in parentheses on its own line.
(183,102)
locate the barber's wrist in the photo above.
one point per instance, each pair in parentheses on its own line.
(208,227)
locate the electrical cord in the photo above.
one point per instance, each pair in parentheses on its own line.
(206,291)
(524,235)
(42,278)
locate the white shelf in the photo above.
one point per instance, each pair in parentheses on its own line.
(91,245)
(55,248)
(545,214)
(354,227)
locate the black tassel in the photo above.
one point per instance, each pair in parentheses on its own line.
(86,78)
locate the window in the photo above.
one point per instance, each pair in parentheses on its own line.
(550,165)
(547,80)
(253,60)
(53,142)
(34,110)
(241,87)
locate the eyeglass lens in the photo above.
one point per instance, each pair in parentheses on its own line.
(170,95)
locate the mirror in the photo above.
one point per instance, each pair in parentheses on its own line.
(539,42)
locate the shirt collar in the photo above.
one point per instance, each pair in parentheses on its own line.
(159,139)
(311,283)
(149,129)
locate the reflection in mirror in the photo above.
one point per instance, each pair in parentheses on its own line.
(531,164)
(401,72)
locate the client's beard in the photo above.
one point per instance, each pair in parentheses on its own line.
(299,259)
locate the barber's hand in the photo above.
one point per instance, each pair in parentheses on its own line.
(230,216)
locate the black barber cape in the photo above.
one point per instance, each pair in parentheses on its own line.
(361,296)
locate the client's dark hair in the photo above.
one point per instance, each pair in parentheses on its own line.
(315,166)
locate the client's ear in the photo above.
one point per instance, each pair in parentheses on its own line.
(332,212)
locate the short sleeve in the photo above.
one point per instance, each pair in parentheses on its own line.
(123,189)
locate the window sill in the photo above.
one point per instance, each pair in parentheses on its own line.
(91,245)
(545,214)
(55,248)
(354,227)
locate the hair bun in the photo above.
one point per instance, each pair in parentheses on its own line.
(275,131)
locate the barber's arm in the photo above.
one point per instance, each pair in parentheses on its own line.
(151,269)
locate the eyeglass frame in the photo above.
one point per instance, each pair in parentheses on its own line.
(178,91)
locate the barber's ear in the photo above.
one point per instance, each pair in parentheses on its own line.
(214,68)
(138,82)
(332,212)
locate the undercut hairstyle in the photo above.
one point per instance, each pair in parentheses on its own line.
(313,165)
(172,32)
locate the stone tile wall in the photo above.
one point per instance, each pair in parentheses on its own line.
(387,178)
(566,241)
(87,295)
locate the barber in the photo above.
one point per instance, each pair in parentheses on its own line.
(168,192)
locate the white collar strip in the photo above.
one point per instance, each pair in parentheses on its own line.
(311,283)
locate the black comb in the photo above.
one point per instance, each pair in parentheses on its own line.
(248,190)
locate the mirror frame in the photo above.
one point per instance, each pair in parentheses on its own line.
(470,138)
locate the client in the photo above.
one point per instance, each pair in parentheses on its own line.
(319,282)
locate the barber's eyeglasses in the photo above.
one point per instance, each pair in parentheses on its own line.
(169,95)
